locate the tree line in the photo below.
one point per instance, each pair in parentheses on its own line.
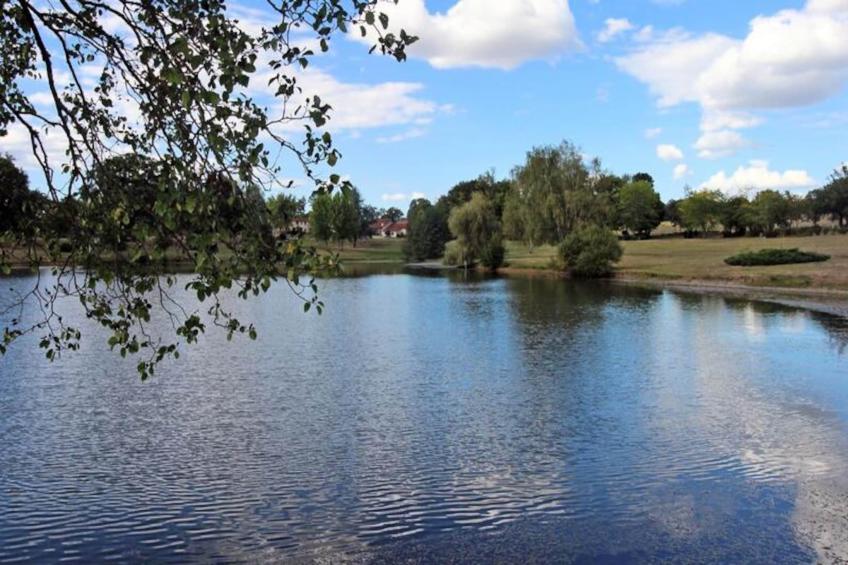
(555,194)
(558,197)
(769,213)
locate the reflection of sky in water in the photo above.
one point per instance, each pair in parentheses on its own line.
(447,417)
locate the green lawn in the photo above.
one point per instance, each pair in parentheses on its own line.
(376,250)
(703,259)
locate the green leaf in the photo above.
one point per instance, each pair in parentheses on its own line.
(173,76)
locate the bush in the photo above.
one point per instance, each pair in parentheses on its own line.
(590,252)
(492,255)
(454,255)
(774,257)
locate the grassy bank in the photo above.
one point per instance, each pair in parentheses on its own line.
(703,260)
(680,260)
(377,250)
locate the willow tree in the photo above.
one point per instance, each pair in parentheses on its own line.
(555,191)
(178,85)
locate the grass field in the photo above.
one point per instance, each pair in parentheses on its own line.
(703,260)
(377,250)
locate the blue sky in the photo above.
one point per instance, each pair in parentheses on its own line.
(578,89)
(733,95)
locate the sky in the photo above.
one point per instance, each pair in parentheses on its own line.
(727,94)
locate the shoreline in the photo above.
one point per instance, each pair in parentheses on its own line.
(824,300)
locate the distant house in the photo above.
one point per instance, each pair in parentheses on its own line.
(378,228)
(397,229)
(299,224)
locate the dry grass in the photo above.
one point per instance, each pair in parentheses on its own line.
(703,260)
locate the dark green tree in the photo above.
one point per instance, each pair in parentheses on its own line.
(393,214)
(771,210)
(835,196)
(428,232)
(367,215)
(19,206)
(495,190)
(284,208)
(321,217)
(346,222)
(640,208)
(734,215)
(671,213)
(643,177)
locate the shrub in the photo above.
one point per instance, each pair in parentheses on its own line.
(591,251)
(492,255)
(774,257)
(454,255)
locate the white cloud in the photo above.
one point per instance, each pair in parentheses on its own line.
(359,106)
(721,143)
(795,57)
(681,171)
(715,120)
(403,197)
(482,33)
(669,152)
(756,177)
(612,28)
(653,133)
(403,136)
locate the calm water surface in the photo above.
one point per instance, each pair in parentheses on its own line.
(437,419)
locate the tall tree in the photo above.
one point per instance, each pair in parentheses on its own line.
(556,192)
(700,210)
(495,190)
(734,215)
(321,217)
(346,224)
(428,232)
(393,214)
(640,208)
(18,204)
(284,208)
(771,210)
(367,215)
(835,196)
(173,82)
(478,232)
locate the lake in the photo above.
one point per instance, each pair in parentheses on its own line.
(441,419)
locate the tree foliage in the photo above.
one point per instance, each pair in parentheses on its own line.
(393,214)
(284,208)
(590,251)
(555,191)
(832,199)
(771,210)
(640,208)
(495,190)
(700,210)
(428,232)
(19,206)
(477,231)
(173,88)
(336,217)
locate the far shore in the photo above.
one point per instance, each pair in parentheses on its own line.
(686,265)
